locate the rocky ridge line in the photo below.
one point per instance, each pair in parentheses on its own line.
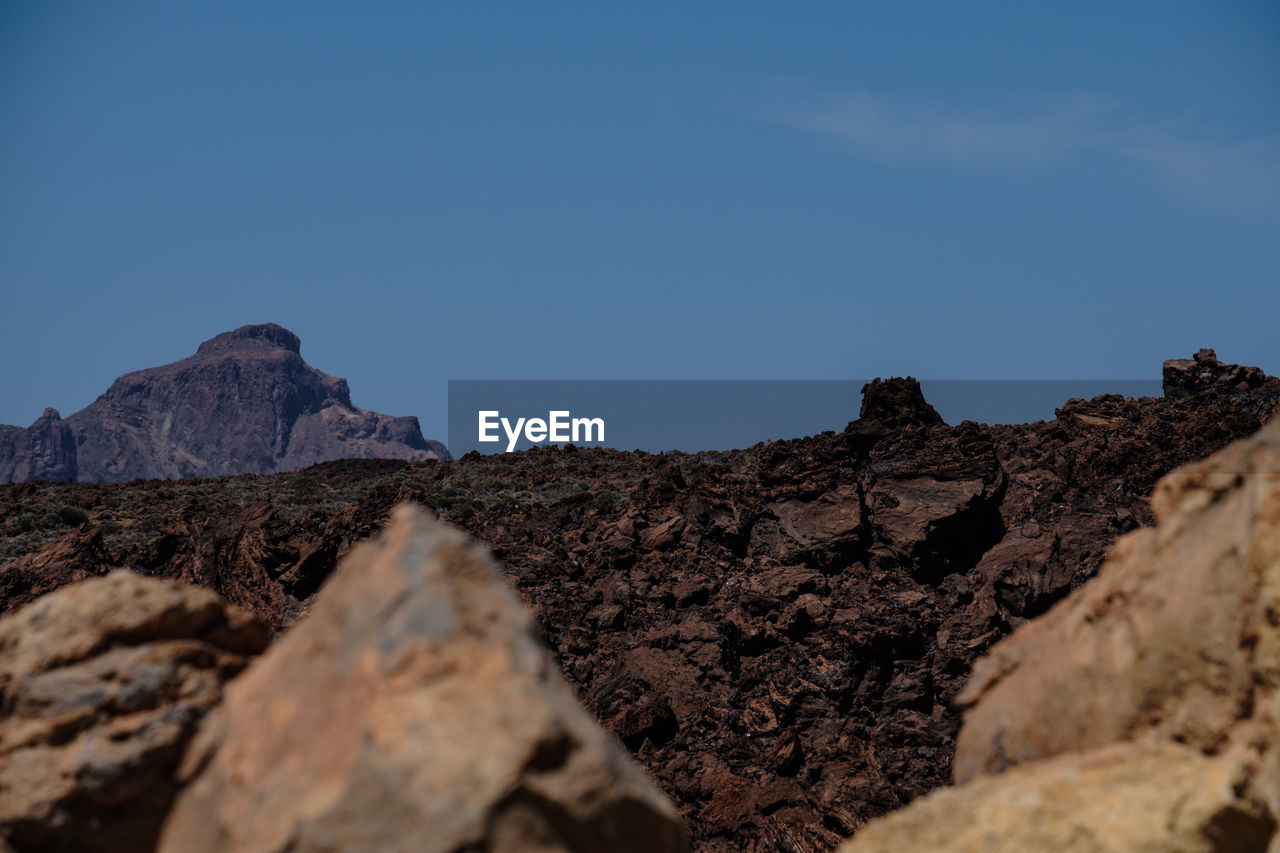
(246,402)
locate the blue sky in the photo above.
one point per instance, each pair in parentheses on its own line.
(720,190)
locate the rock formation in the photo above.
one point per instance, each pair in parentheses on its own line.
(246,402)
(1142,712)
(776,633)
(1186,377)
(102,684)
(413,709)
(46,450)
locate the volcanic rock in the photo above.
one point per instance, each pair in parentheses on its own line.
(777,634)
(897,403)
(413,709)
(80,554)
(1143,711)
(246,402)
(1184,377)
(102,684)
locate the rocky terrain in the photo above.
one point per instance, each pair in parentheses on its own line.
(777,634)
(246,402)
(1143,712)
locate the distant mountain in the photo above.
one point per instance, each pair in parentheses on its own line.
(245,403)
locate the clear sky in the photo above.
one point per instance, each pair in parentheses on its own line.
(425,191)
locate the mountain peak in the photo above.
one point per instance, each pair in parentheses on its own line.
(245,403)
(257,336)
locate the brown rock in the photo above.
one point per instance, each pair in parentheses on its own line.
(102,684)
(1141,713)
(832,516)
(1184,377)
(1173,639)
(76,556)
(1125,799)
(413,709)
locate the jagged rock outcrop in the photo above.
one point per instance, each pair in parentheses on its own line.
(246,402)
(413,709)
(1142,712)
(102,684)
(78,555)
(1185,377)
(46,450)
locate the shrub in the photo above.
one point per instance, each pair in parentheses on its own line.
(608,497)
(72,515)
(302,488)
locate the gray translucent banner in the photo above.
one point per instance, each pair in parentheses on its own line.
(712,414)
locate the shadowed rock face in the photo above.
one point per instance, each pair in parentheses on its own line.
(46,450)
(246,402)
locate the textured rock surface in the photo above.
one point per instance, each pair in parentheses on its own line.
(1185,377)
(413,710)
(246,402)
(1127,799)
(102,684)
(1142,712)
(776,633)
(78,555)
(1177,638)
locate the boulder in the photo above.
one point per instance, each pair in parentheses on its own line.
(1176,638)
(1126,799)
(413,709)
(102,684)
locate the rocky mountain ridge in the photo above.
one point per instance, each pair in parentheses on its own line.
(246,402)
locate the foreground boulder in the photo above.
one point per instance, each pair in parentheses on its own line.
(413,709)
(1141,712)
(102,685)
(1124,799)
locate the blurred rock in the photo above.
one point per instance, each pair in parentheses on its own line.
(413,709)
(1126,799)
(102,684)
